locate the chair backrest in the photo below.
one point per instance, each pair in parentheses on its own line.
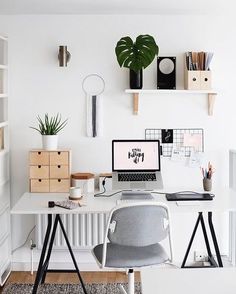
(138,224)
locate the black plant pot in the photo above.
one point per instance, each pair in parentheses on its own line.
(136,79)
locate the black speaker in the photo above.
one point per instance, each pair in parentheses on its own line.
(166,72)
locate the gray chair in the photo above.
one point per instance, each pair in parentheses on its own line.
(132,238)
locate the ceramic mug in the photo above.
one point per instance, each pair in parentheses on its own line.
(75,193)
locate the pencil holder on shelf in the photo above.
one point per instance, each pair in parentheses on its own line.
(207,184)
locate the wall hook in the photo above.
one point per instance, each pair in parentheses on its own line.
(63,56)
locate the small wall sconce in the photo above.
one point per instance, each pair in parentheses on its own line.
(63,56)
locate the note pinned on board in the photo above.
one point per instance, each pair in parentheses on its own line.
(195,159)
(177,154)
(193,140)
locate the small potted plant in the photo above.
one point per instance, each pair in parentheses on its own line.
(49,127)
(136,56)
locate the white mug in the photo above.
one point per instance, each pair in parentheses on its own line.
(75,192)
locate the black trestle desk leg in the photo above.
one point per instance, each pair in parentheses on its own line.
(214,239)
(205,236)
(42,257)
(191,239)
(72,254)
(46,263)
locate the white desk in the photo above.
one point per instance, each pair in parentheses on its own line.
(37,203)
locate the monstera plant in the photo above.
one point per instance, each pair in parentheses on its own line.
(136,56)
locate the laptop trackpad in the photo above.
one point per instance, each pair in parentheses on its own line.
(137,185)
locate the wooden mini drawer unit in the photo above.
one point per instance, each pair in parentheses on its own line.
(49,171)
(39,158)
(59,157)
(39,172)
(59,185)
(59,171)
(39,185)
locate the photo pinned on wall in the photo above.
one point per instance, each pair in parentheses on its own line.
(93,86)
(167,136)
(194,141)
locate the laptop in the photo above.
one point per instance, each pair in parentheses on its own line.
(136,165)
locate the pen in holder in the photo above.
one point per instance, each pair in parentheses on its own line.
(207,177)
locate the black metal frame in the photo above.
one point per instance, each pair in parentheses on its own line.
(211,259)
(47,250)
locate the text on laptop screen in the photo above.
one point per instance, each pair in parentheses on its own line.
(135,155)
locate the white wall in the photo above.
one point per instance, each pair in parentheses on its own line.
(38,85)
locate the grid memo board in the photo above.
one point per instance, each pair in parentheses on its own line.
(178,140)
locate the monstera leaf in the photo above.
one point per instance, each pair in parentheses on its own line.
(136,55)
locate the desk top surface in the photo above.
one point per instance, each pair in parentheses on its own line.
(37,203)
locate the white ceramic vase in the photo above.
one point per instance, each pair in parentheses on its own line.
(50,142)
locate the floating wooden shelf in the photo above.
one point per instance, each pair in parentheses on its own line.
(211,94)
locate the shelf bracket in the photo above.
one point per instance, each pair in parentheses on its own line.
(135,103)
(211,102)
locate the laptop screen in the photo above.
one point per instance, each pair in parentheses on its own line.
(136,155)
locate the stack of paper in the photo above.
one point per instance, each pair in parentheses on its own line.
(198,60)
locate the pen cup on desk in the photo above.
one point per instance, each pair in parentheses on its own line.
(207,184)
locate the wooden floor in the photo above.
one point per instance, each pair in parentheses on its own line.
(60,278)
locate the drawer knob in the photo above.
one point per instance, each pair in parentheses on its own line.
(39,166)
(59,166)
(59,180)
(39,153)
(59,153)
(40,180)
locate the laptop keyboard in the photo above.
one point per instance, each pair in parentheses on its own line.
(136,177)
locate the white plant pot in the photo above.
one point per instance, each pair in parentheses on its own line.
(50,142)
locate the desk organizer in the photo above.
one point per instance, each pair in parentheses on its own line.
(49,171)
(197,80)
(83,180)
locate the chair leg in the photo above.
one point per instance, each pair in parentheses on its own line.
(122,290)
(130,283)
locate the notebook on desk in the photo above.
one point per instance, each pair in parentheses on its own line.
(189,196)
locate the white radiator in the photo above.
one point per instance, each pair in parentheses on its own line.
(84,231)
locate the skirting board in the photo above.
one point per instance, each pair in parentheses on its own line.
(26,266)
(60,259)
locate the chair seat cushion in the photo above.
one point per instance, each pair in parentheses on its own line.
(120,256)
